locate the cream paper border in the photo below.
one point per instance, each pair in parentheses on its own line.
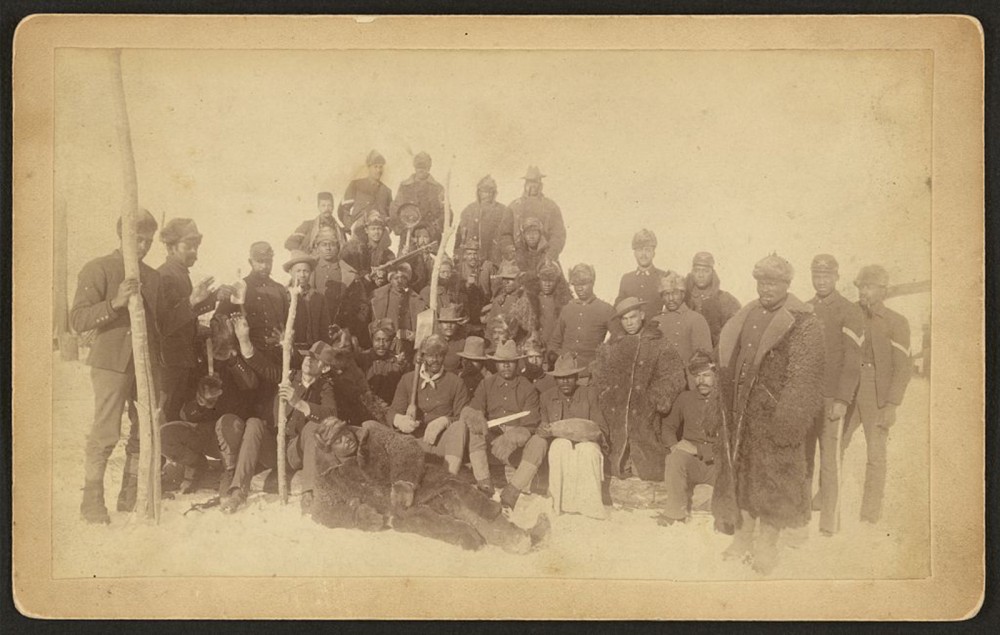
(955,588)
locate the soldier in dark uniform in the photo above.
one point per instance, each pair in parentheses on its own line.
(367,251)
(885,373)
(384,363)
(182,304)
(101,305)
(534,204)
(451,320)
(843,327)
(583,323)
(312,317)
(264,301)
(485,220)
(365,194)
(705,297)
(427,194)
(332,276)
(304,238)
(644,282)
(397,301)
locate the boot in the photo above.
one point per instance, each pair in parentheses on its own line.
(742,540)
(765,552)
(92,507)
(509,496)
(130,484)
(233,500)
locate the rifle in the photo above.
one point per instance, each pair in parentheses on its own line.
(404,257)
(286,367)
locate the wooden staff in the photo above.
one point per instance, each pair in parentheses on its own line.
(286,368)
(148,492)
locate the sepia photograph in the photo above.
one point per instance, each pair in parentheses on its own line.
(643,311)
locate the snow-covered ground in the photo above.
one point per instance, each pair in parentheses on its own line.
(266,538)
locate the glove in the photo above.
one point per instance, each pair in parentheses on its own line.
(474,421)
(434,429)
(404,423)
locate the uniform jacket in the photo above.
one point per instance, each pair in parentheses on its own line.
(545,210)
(312,313)
(445,399)
(360,255)
(487,223)
(428,195)
(766,432)
(496,397)
(582,404)
(319,395)
(333,280)
(686,330)
(97,285)
(179,322)
(382,373)
(637,378)
(362,195)
(549,308)
(403,309)
(716,305)
(645,286)
(889,334)
(696,419)
(581,328)
(843,328)
(266,307)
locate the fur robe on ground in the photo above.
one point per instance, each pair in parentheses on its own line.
(637,377)
(358,493)
(766,477)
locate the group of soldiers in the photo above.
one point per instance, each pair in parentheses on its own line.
(527,378)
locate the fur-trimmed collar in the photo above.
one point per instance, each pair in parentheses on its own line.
(779,326)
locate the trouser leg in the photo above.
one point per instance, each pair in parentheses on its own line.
(531,458)
(179,443)
(249,453)
(829,475)
(586,486)
(675,482)
(173,390)
(876,438)
(302,455)
(229,432)
(561,462)
(452,444)
(477,457)
(112,390)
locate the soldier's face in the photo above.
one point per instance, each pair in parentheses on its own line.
(487,195)
(548,286)
(705,382)
(471,258)
(448,329)
(433,363)
(567,385)
(312,367)
(508,252)
(532,238)
(399,281)
(673,299)
(824,282)
(328,250)
(771,292)
(532,188)
(473,364)
(632,321)
(583,289)
(534,358)
(701,275)
(500,335)
(375,171)
(422,238)
(422,173)
(644,256)
(510,285)
(345,445)
(262,267)
(325,206)
(381,342)
(870,295)
(374,233)
(444,273)
(143,242)
(507,369)
(186,252)
(300,273)
(208,399)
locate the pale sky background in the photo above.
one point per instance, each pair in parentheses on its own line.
(737,153)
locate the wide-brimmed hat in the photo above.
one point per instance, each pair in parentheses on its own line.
(533,174)
(628,304)
(475,349)
(509,270)
(507,352)
(566,366)
(298,256)
(453,313)
(321,351)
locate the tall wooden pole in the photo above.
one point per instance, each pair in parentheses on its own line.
(64,340)
(286,370)
(147,503)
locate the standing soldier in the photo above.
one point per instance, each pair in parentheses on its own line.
(644,282)
(265,301)
(451,321)
(332,276)
(518,308)
(423,191)
(843,327)
(885,372)
(101,305)
(365,194)
(312,317)
(381,364)
(182,304)
(583,323)
(684,329)
(637,377)
(553,295)
(771,381)
(534,204)
(366,251)
(399,303)
(532,247)
(305,237)
(485,221)
(705,297)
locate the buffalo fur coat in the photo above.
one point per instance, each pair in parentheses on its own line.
(760,446)
(637,377)
(357,493)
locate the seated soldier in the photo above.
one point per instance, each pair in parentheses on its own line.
(451,322)
(188,441)
(534,365)
(432,415)
(513,444)
(572,419)
(385,363)
(371,479)
(689,431)
(473,370)
(308,399)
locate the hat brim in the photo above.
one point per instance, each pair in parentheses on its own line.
(566,373)
(291,263)
(506,359)
(475,358)
(461,320)
(630,308)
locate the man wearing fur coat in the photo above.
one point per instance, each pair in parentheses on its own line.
(771,357)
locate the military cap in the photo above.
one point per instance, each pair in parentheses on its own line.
(374,217)
(509,270)
(531,222)
(703,259)
(374,158)
(582,272)
(382,324)
(452,313)
(144,222)
(549,271)
(324,196)
(533,174)
(261,250)
(773,267)
(487,183)
(321,351)
(422,160)
(402,268)
(644,238)
(298,256)
(825,263)
(874,275)
(672,281)
(475,349)
(434,344)
(700,362)
(628,304)
(327,233)
(180,230)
